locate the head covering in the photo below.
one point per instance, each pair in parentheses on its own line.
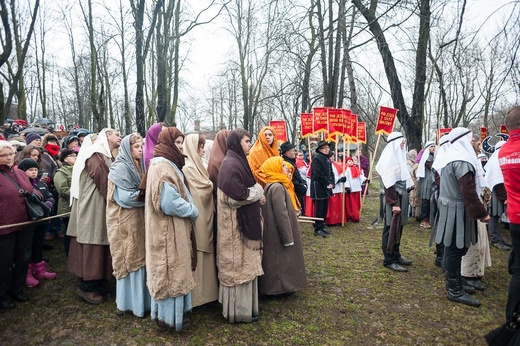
(191,148)
(123,172)
(31,137)
(322,144)
(493,172)
(354,170)
(217,154)
(462,150)
(392,165)
(66,153)
(166,147)
(67,140)
(234,179)
(82,133)
(421,169)
(261,151)
(411,155)
(286,146)
(87,150)
(271,171)
(25,164)
(150,141)
(482,156)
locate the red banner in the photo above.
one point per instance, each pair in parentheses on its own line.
(362,132)
(503,129)
(353,126)
(386,120)
(483,133)
(280,128)
(306,121)
(441,132)
(346,123)
(335,123)
(321,120)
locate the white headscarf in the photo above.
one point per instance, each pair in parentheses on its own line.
(461,150)
(421,170)
(392,166)
(493,172)
(87,150)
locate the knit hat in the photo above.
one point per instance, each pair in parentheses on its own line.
(31,137)
(25,164)
(65,153)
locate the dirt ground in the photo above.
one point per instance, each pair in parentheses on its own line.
(351,300)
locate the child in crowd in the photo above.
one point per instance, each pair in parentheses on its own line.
(37,267)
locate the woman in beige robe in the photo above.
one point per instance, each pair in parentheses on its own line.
(201,188)
(169,216)
(239,240)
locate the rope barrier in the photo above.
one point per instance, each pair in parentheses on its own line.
(33,222)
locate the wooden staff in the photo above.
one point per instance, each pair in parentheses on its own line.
(370,172)
(343,188)
(311,218)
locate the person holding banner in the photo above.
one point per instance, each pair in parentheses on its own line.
(353,186)
(266,146)
(396,179)
(322,183)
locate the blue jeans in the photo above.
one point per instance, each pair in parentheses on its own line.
(513,296)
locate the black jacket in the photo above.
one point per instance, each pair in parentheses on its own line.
(321,176)
(300,184)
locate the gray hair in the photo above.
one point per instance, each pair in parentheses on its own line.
(6,144)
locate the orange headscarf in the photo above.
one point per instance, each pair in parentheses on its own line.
(261,151)
(271,172)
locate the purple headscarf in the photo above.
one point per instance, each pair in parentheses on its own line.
(150,142)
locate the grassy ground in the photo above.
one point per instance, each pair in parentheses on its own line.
(351,300)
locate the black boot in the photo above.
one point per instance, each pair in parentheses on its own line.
(457,293)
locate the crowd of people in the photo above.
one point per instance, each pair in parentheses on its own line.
(178,230)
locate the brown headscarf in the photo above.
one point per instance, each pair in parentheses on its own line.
(235,179)
(218,152)
(166,148)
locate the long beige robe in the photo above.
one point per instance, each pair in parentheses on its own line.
(125,228)
(201,189)
(168,243)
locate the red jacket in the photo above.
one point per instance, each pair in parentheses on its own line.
(509,159)
(12,204)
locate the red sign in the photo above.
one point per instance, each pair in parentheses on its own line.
(306,121)
(362,132)
(483,133)
(347,131)
(503,129)
(280,128)
(441,132)
(321,120)
(335,122)
(386,120)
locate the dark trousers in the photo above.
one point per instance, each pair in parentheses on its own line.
(321,207)
(66,238)
(513,295)
(90,285)
(394,256)
(15,254)
(453,258)
(495,235)
(37,243)
(425,210)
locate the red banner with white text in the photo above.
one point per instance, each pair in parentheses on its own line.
(386,120)
(280,128)
(306,121)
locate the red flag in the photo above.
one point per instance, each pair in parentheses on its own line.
(362,132)
(321,119)
(280,128)
(503,129)
(483,133)
(386,120)
(306,121)
(353,126)
(346,123)
(335,123)
(441,132)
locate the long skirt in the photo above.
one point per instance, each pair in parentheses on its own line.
(309,206)
(334,211)
(240,302)
(171,310)
(206,282)
(478,256)
(352,206)
(132,293)
(89,261)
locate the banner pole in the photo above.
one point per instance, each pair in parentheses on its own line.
(343,188)
(370,170)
